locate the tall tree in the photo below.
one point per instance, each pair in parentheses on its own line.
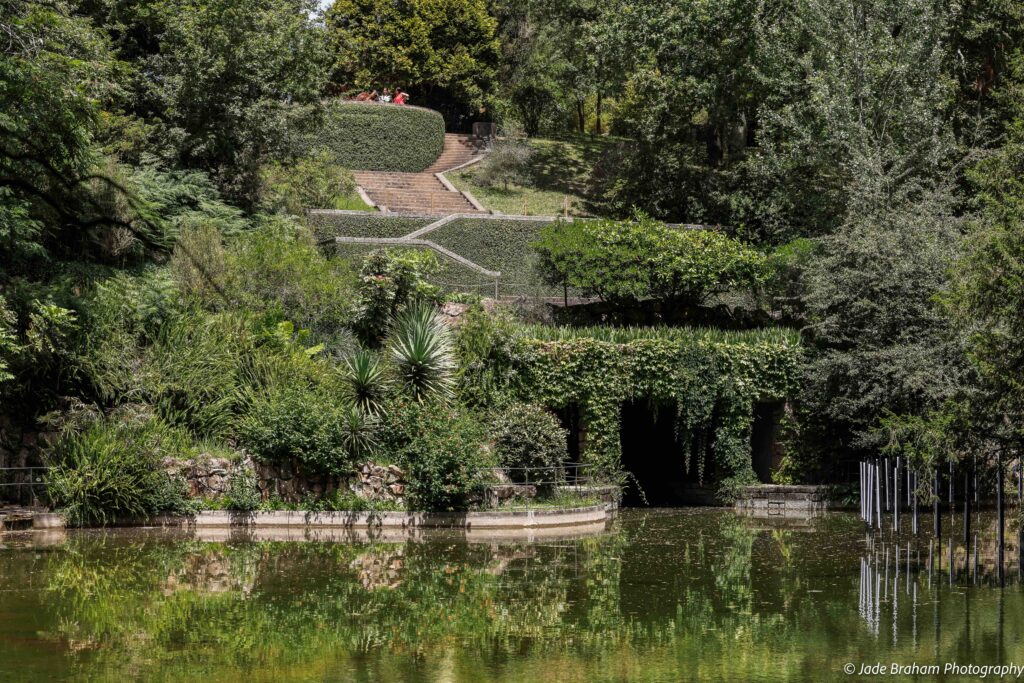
(213,79)
(443,51)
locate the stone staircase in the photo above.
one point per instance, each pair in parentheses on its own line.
(423,192)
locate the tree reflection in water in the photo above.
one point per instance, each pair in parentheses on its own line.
(664,595)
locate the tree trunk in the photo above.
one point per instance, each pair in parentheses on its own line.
(597,113)
(581,115)
(713,141)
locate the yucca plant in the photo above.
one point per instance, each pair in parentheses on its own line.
(366,381)
(358,431)
(421,345)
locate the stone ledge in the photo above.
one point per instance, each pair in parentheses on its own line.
(494,519)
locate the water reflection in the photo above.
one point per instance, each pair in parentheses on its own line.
(662,596)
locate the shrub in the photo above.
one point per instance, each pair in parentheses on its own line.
(373,137)
(366,381)
(114,469)
(625,261)
(440,449)
(530,442)
(198,262)
(311,182)
(507,163)
(278,268)
(367,224)
(243,491)
(389,281)
(295,422)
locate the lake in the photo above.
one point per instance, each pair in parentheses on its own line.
(660,595)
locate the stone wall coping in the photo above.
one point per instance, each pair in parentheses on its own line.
(482,519)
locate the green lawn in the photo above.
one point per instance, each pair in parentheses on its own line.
(559,170)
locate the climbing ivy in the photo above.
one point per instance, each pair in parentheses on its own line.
(712,377)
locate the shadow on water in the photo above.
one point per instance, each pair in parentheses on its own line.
(663,595)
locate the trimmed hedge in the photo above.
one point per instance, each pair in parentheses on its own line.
(380,137)
(495,244)
(369,224)
(502,245)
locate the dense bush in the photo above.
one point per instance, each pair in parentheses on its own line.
(508,162)
(531,442)
(326,226)
(441,450)
(311,182)
(295,422)
(277,268)
(421,348)
(371,137)
(114,468)
(390,280)
(623,262)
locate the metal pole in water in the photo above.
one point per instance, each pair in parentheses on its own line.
(916,510)
(886,473)
(936,507)
(999,515)
(967,506)
(878,497)
(896,496)
(860,489)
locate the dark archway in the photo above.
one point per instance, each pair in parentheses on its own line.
(650,453)
(763,440)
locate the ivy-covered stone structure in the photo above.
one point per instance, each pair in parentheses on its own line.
(712,379)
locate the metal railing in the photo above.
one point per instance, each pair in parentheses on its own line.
(526,488)
(23,485)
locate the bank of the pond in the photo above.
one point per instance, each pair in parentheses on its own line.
(531,518)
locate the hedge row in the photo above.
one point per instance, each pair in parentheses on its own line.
(495,244)
(379,137)
(369,224)
(502,245)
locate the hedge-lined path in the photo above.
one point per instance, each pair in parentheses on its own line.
(425,192)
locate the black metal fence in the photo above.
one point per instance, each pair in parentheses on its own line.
(571,485)
(23,485)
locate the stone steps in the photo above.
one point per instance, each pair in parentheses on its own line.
(423,192)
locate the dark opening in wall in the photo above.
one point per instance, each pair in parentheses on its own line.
(650,453)
(763,439)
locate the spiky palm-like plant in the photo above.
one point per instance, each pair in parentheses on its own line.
(358,431)
(367,381)
(421,346)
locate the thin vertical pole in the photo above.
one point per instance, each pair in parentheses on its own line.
(885,471)
(916,507)
(999,515)
(936,507)
(878,498)
(967,506)
(896,496)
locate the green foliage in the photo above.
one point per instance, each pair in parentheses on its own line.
(277,268)
(9,346)
(531,442)
(440,448)
(368,224)
(712,377)
(293,422)
(243,491)
(390,281)
(215,79)
(883,343)
(372,137)
(114,469)
(508,161)
(421,349)
(366,380)
(312,182)
(624,262)
(443,51)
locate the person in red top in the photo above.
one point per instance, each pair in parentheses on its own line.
(400,96)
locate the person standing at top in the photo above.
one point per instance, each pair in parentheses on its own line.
(400,96)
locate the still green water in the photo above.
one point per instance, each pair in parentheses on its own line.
(661,595)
